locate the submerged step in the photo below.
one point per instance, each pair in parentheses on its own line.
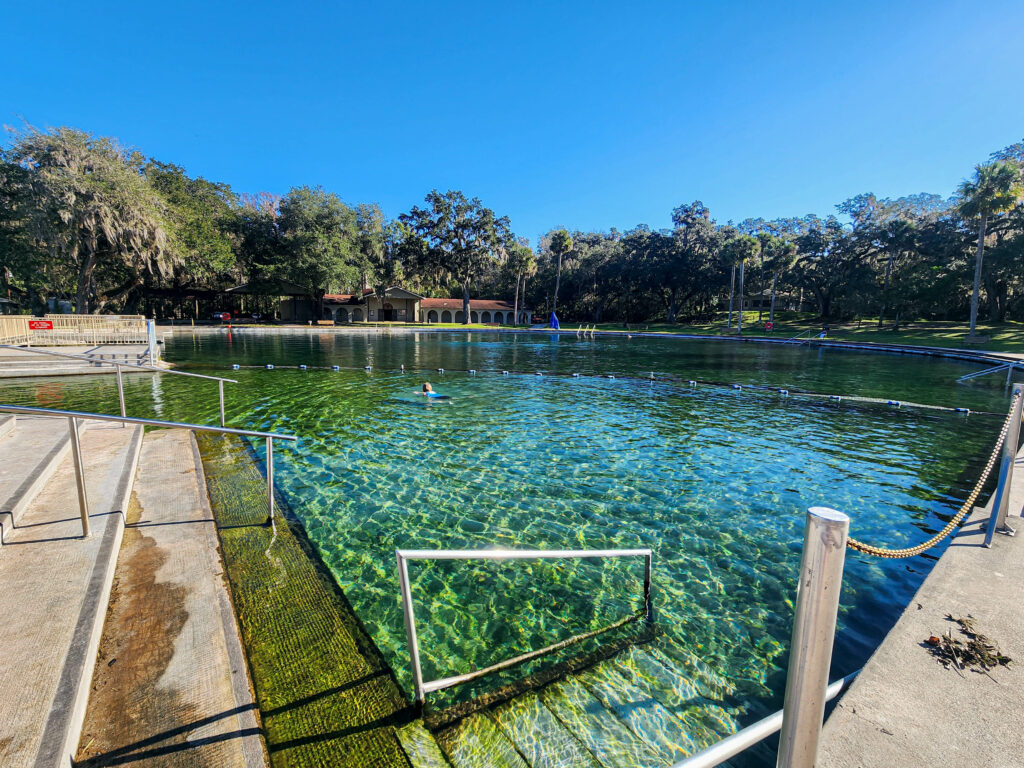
(476,742)
(643,714)
(598,728)
(420,746)
(539,736)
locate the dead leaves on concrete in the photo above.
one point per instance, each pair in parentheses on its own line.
(974,652)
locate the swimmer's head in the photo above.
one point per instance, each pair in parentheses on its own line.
(427,387)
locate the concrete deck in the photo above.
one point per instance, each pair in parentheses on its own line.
(21,362)
(905,709)
(55,590)
(171,685)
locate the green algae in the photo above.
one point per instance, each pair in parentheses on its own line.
(325,694)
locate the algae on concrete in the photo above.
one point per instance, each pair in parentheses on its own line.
(325,694)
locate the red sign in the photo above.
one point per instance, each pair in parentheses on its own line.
(40,325)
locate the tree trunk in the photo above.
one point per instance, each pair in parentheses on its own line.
(515,302)
(465,303)
(732,290)
(760,295)
(771,310)
(885,287)
(977,273)
(85,273)
(558,282)
(739,315)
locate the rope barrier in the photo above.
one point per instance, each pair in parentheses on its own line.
(966,507)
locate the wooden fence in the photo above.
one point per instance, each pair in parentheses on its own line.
(64,330)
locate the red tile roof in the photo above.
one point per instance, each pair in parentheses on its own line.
(477,304)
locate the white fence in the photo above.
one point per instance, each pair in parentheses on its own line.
(57,330)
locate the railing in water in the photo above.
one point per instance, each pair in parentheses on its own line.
(403,557)
(74,329)
(74,417)
(1008,367)
(133,366)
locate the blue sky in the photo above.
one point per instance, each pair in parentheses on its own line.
(588,115)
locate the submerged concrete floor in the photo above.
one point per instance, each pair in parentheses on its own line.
(906,709)
(170,687)
(23,362)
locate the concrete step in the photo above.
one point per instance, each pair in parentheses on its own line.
(170,675)
(539,736)
(8,422)
(28,458)
(476,742)
(420,746)
(56,586)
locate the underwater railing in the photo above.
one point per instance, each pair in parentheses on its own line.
(74,417)
(132,366)
(1008,367)
(403,557)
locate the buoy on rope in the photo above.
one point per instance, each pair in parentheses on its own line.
(575,375)
(835,398)
(895,403)
(504,373)
(652,375)
(367,367)
(403,368)
(270,367)
(472,371)
(302,367)
(235,367)
(610,376)
(335,367)
(736,386)
(692,383)
(962,410)
(440,370)
(538,373)
(784,392)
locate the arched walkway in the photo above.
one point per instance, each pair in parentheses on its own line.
(458,316)
(474,317)
(485,317)
(357,315)
(499,318)
(432,316)
(446,316)
(342,316)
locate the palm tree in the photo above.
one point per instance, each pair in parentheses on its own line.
(561,244)
(521,259)
(995,189)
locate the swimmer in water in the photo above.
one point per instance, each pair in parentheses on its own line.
(428,391)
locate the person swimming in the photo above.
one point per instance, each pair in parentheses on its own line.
(428,391)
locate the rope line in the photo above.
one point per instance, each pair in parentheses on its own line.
(966,507)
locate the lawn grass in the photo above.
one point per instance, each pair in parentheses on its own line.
(1002,337)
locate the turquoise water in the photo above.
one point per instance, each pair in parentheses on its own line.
(716,481)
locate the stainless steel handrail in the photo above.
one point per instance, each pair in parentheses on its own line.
(403,556)
(1008,367)
(74,416)
(136,366)
(743,739)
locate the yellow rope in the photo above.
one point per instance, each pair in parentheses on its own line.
(967,506)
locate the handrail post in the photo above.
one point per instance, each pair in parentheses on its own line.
(410,627)
(270,481)
(76,453)
(648,606)
(120,392)
(1001,500)
(220,387)
(814,629)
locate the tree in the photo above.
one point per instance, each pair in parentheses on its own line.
(93,209)
(996,188)
(523,263)
(739,249)
(318,235)
(461,237)
(561,244)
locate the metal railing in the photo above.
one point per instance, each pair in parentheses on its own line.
(74,417)
(75,329)
(801,336)
(1008,367)
(403,557)
(133,366)
(1011,443)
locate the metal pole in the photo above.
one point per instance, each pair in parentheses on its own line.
(270,480)
(120,392)
(220,386)
(1010,446)
(76,454)
(410,627)
(648,608)
(814,629)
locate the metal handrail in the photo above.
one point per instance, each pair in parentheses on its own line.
(404,555)
(743,739)
(137,366)
(74,416)
(804,333)
(1008,367)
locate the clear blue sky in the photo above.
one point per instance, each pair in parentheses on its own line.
(587,115)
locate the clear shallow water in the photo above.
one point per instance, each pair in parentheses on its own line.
(714,480)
